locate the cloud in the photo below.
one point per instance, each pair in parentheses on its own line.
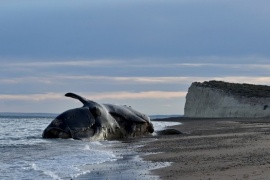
(230,66)
(139,95)
(123,80)
(197,61)
(96,96)
(128,80)
(26,80)
(245,79)
(150,80)
(31,97)
(46,64)
(133,80)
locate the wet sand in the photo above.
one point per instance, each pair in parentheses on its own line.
(207,149)
(128,164)
(129,167)
(213,149)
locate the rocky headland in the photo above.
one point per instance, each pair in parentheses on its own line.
(218,99)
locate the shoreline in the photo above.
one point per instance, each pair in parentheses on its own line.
(128,164)
(209,148)
(213,148)
(129,167)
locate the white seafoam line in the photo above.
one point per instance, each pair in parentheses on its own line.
(45,172)
(75,165)
(70,165)
(160,125)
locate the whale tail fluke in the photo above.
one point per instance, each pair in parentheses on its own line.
(76,96)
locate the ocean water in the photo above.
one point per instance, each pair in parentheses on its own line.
(26,155)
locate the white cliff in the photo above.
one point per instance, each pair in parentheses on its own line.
(220,99)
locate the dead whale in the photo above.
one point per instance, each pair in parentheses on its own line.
(94,121)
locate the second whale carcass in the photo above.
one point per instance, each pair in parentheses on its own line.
(96,121)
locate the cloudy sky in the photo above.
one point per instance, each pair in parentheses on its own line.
(143,53)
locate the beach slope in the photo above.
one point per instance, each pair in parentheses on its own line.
(213,149)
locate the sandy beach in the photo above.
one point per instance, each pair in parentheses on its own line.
(213,149)
(207,149)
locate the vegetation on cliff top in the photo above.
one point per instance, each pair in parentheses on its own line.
(247,90)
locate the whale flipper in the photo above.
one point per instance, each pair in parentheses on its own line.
(76,96)
(124,113)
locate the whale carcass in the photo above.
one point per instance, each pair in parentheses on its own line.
(95,121)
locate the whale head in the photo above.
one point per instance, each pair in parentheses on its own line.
(72,122)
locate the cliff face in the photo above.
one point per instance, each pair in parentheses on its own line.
(220,99)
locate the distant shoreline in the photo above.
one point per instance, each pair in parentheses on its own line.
(33,115)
